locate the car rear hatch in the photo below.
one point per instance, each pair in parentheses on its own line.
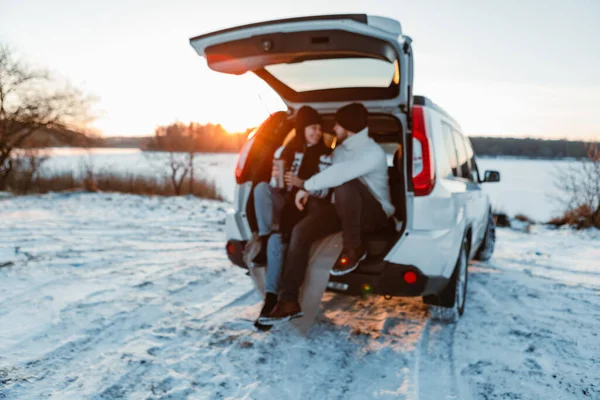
(319,59)
(322,61)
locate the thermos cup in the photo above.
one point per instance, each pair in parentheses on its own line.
(280,165)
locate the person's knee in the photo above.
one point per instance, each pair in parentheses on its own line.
(348,190)
(261,190)
(275,241)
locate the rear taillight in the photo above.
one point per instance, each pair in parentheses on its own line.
(423,167)
(241,161)
(410,277)
(230,248)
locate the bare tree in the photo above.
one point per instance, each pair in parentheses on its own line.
(178,145)
(180,166)
(27,164)
(32,101)
(191,167)
(580,188)
(88,172)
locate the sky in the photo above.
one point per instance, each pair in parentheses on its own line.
(517,68)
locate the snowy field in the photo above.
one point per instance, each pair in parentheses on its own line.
(107,296)
(527,186)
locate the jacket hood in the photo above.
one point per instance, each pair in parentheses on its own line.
(357,140)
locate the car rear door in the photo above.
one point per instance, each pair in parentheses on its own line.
(481,202)
(474,195)
(319,59)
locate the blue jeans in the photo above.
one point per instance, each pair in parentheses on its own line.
(276,251)
(268,204)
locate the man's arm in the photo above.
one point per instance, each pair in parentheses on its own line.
(343,172)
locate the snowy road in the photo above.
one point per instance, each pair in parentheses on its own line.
(108,296)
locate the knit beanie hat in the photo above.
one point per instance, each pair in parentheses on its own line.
(352,117)
(306,116)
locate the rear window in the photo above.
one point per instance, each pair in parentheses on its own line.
(338,73)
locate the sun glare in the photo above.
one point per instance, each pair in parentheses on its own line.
(235,102)
(245,102)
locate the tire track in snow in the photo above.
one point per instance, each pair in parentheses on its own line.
(544,266)
(218,308)
(377,355)
(436,372)
(534,330)
(343,363)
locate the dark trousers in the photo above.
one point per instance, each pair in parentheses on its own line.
(355,211)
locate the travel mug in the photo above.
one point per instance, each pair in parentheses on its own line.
(280,165)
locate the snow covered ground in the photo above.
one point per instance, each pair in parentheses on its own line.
(106,296)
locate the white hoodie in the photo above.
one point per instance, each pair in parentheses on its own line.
(360,157)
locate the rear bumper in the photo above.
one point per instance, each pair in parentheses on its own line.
(389,282)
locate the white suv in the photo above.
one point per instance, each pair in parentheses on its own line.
(442,218)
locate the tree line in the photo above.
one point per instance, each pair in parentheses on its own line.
(529,147)
(208,138)
(214,138)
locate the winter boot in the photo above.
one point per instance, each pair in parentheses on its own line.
(285,310)
(348,261)
(268,306)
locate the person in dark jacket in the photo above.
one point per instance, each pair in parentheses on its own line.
(276,213)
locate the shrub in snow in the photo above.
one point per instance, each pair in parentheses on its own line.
(580,186)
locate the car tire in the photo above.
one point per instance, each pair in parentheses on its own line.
(449,305)
(486,249)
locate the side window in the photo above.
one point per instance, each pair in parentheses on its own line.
(472,162)
(463,160)
(450,148)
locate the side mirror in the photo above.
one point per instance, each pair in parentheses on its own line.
(491,176)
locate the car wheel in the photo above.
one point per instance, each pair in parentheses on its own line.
(486,249)
(449,305)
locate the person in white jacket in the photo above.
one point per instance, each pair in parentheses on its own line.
(360,204)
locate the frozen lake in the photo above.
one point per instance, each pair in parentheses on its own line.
(527,186)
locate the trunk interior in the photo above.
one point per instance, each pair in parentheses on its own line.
(383,128)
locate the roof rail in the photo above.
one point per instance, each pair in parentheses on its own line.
(425,101)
